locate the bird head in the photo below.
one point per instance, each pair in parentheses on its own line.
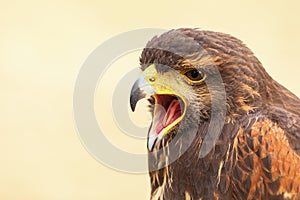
(180,73)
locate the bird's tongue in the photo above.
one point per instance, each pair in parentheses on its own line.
(166,116)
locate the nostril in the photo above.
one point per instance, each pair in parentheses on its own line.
(152,79)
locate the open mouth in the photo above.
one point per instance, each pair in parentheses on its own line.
(168,111)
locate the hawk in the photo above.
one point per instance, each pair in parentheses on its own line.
(221,128)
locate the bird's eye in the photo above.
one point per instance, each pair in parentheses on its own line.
(195,75)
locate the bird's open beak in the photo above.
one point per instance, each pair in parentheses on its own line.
(168,107)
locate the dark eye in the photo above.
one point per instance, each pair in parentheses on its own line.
(195,75)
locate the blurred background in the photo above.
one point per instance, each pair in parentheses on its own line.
(42,47)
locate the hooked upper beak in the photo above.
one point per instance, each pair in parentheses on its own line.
(139,90)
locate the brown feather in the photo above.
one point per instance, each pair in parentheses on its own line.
(257,155)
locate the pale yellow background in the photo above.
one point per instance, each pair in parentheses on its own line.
(42,47)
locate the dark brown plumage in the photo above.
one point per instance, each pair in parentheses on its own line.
(257,155)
